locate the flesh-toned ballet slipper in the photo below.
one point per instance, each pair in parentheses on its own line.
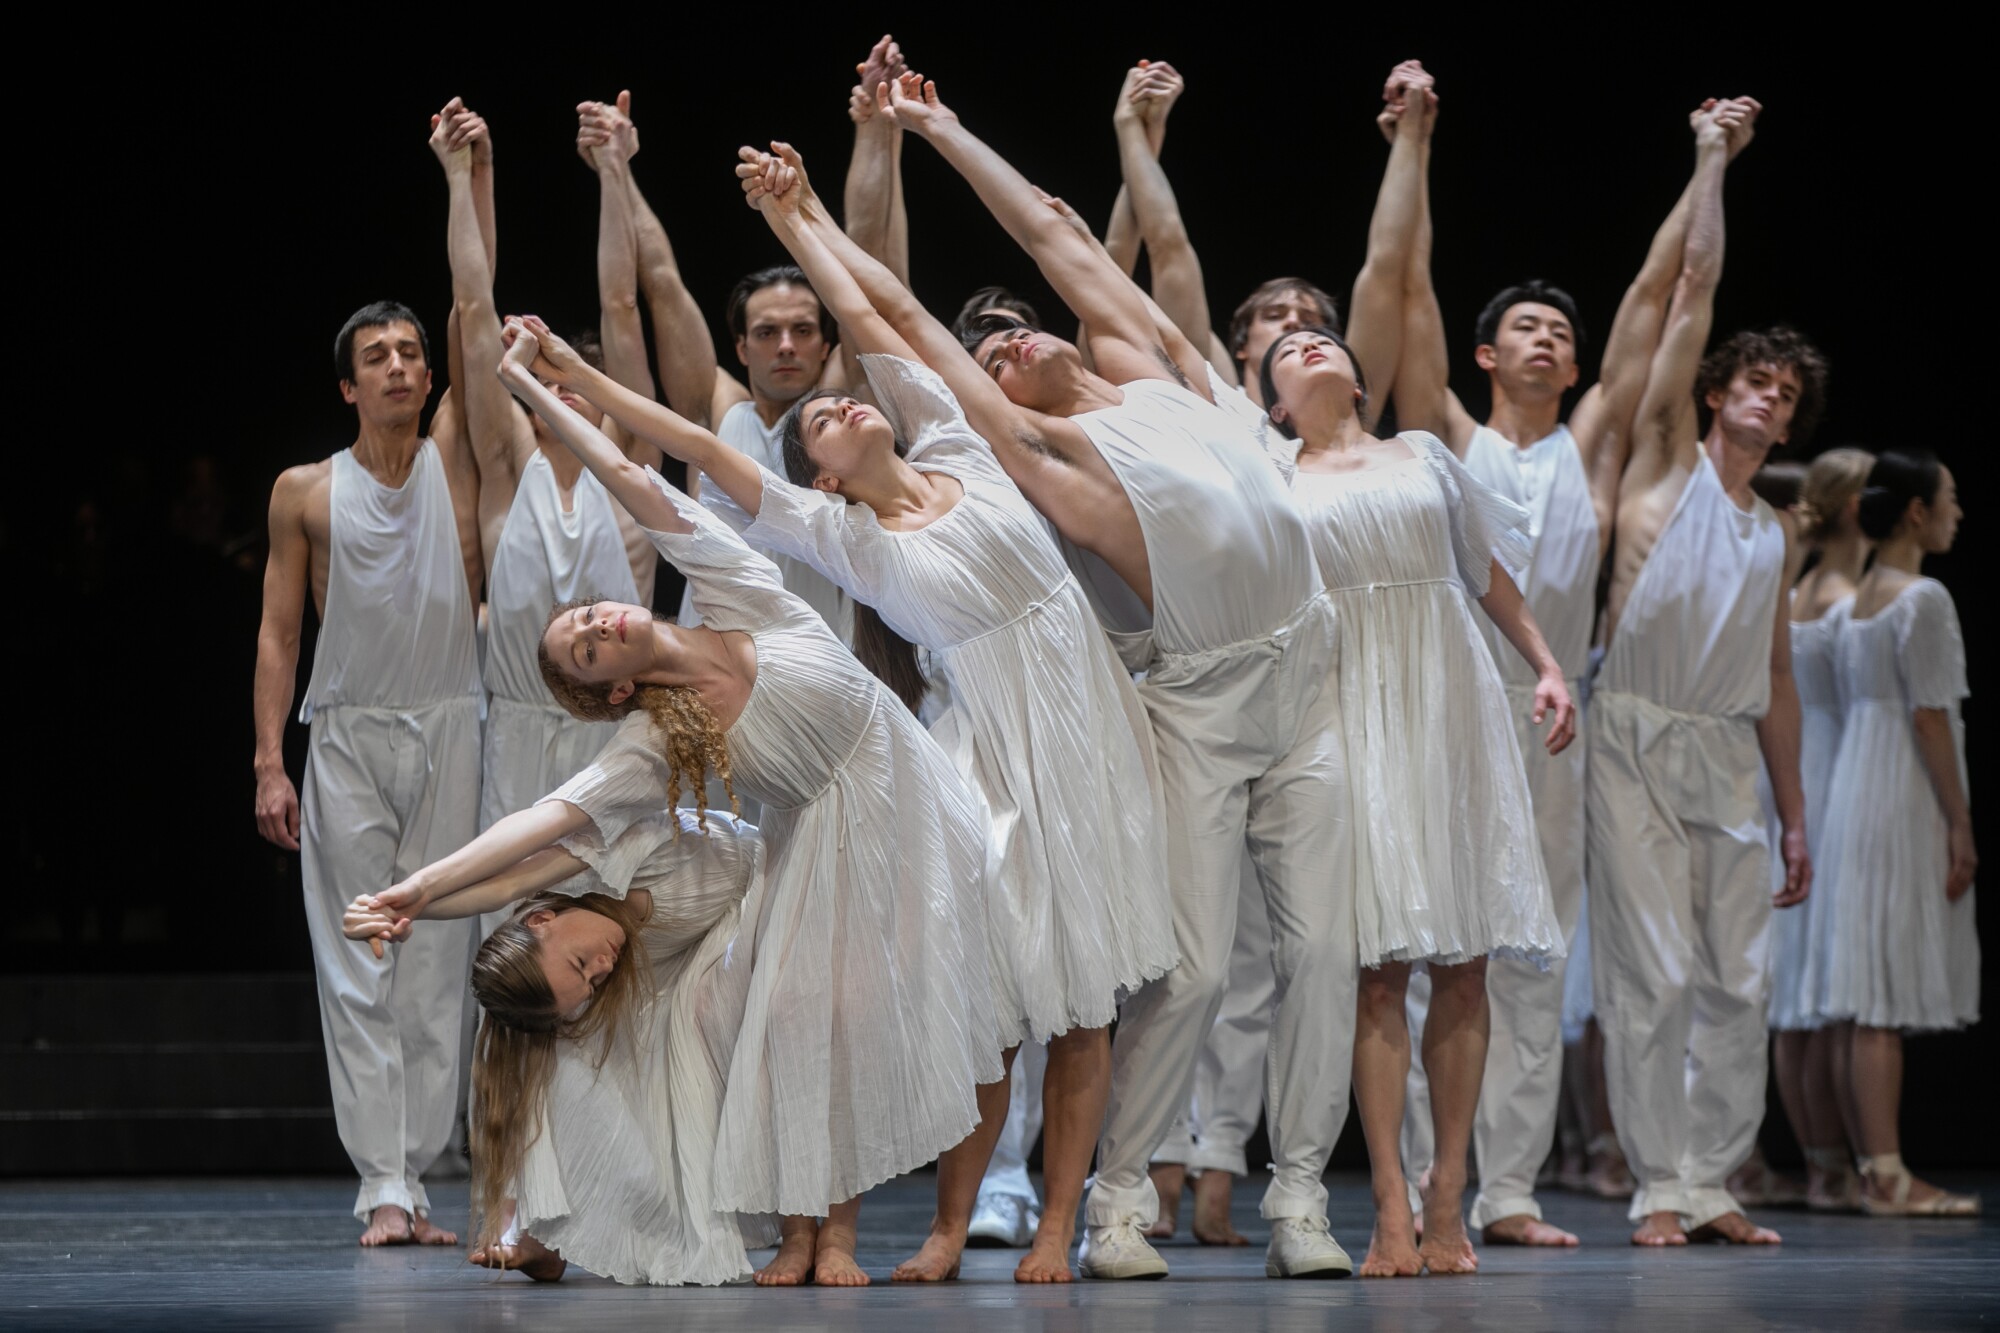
(1889,1167)
(1832,1183)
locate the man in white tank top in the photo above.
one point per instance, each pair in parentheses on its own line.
(1527,340)
(1696,681)
(385,537)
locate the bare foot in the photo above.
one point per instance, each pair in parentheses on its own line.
(834,1264)
(426,1234)
(1521,1229)
(1392,1249)
(1737,1230)
(1047,1259)
(1660,1229)
(793,1264)
(527,1255)
(388,1225)
(1211,1210)
(1169,1179)
(1446,1250)
(935,1261)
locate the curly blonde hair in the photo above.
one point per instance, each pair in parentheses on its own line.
(1834,478)
(693,744)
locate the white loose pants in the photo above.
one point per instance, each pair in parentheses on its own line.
(1680,916)
(387,792)
(1522,1086)
(1250,753)
(1007,1170)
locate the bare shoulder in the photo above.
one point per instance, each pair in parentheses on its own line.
(298,488)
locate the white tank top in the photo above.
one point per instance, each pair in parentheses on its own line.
(398,627)
(1231,557)
(544,557)
(1695,633)
(745,432)
(1560,579)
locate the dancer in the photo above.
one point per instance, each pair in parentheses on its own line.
(1696,681)
(1201,568)
(1527,340)
(610,1010)
(384,536)
(1809,1055)
(1403,533)
(1901,949)
(869,1018)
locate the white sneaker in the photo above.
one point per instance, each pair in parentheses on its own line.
(1302,1247)
(1118,1251)
(1005,1220)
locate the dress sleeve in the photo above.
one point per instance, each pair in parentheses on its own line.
(1485,525)
(821,529)
(625,784)
(611,866)
(928,419)
(1931,648)
(732,586)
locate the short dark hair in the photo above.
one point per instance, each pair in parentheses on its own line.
(994,298)
(1898,477)
(1534,291)
(1779,482)
(375,315)
(977,329)
(778,275)
(1781,346)
(589,345)
(1239,323)
(1271,389)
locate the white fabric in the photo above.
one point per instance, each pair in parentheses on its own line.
(1043,723)
(1246,729)
(1558,580)
(1007,1170)
(619,1179)
(1448,866)
(1795,963)
(391,785)
(869,1013)
(1897,953)
(745,432)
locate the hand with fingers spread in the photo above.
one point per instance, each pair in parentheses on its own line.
(911,102)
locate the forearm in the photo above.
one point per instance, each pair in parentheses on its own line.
(271,696)
(866,197)
(501,848)
(465,246)
(866,326)
(625,479)
(1508,611)
(482,207)
(686,350)
(1121,233)
(648,419)
(1939,751)
(1778,738)
(517,883)
(1376,318)
(619,329)
(1178,287)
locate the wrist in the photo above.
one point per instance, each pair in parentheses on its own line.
(268,765)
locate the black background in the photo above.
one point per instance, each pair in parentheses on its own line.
(212,209)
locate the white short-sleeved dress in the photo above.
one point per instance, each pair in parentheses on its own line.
(1898,954)
(1449,864)
(868,1017)
(1044,723)
(619,1179)
(1796,962)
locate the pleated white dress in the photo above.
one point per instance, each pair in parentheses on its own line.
(869,1011)
(1449,864)
(1044,723)
(1796,963)
(1898,954)
(619,1178)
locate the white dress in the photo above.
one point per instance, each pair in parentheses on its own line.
(1796,962)
(1450,867)
(619,1178)
(1898,954)
(1043,723)
(869,1017)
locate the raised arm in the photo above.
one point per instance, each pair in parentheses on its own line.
(1402,207)
(607,140)
(1139,121)
(1125,341)
(287,575)
(872,200)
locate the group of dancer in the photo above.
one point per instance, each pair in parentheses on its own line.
(1024,685)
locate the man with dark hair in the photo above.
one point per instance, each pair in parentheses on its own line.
(993,301)
(392,772)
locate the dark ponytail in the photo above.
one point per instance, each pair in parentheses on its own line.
(1898,477)
(891,657)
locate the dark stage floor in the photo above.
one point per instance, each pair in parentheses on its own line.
(279,1254)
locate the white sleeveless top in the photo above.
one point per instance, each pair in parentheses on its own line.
(546,556)
(398,627)
(1695,634)
(1559,580)
(745,432)
(1231,557)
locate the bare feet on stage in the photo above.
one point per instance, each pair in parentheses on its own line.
(1660,1229)
(793,1264)
(388,1225)
(1736,1229)
(1047,1259)
(1446,1250)
(1521,1229)
(834,1264)
(527,1256)
(936,1260)
(1211,1210)
(1169,1179)
(426,1234)
(1392,1249)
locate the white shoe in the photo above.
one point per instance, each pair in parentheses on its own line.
(1118,1251)
(1302,1247)
(1005,1220)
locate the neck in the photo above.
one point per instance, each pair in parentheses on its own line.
(1090,392)
(1845,554)
(890,487)
(1253,386)
(562,460)
(692,657)
(1523,421)
(769,410)
(1736,462)
(1327,422)
(388,450)
(1900,552)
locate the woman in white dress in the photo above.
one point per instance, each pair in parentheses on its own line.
(1903,947)
(601,1150)
(1450,870)
(869,1018)
(1809,1055)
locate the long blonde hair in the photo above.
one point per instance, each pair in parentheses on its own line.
(514,1056)
(1834,478)
(693,744)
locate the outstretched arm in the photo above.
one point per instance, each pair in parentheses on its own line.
(1402,205)
(1424,398)
(1149,92)
(1125,341)
(607,140)
(1508,610)
(873,198)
